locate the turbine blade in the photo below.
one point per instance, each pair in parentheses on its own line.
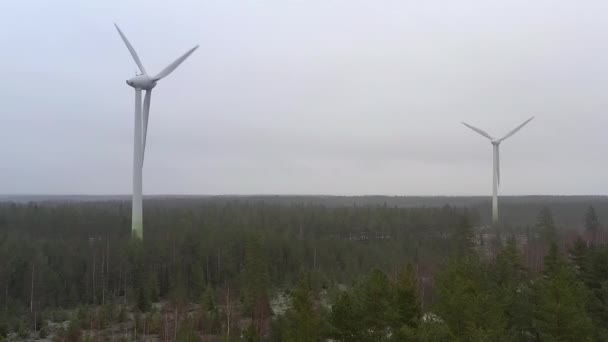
(169,69)
(516,129)
(147,99)
(131,50)
(482,132)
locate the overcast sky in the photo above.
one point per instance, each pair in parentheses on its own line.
(306,97)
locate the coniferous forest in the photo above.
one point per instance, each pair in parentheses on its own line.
(239,269)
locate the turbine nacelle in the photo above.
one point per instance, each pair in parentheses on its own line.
(142,82)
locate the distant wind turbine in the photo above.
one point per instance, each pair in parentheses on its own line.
(496,168)
(141,82)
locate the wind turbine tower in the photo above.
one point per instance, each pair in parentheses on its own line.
(496,162)
(141,82)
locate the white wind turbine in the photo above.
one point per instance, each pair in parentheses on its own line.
(496,169)
(141,82)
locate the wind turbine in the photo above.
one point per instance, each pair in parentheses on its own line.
(496,169)
(140,82)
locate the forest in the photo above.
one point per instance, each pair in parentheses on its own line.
(303,269)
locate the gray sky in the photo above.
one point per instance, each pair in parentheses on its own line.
(308,97)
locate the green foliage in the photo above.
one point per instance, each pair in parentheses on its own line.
(592,269)
(431,330)
(376,301)
(208,299)
(22,330)
(122,314)
(84,254)
(255,273)
(407,303)
(303,321)
(108,312)
(256,284)
(592,222)
(463,236)
(154,323)
(74,331)
(187,332)
(467,302)
(513,290)
(345,316)
(211,320)
(4,324)
(377,309)
(579,253)
(560,313)
(554,261)
(250,334)
(83,257)
(43,333)
(546,226)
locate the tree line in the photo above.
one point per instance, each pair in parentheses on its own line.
(357,273)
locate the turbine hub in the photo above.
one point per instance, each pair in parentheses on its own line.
(143,82)
(495,142)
